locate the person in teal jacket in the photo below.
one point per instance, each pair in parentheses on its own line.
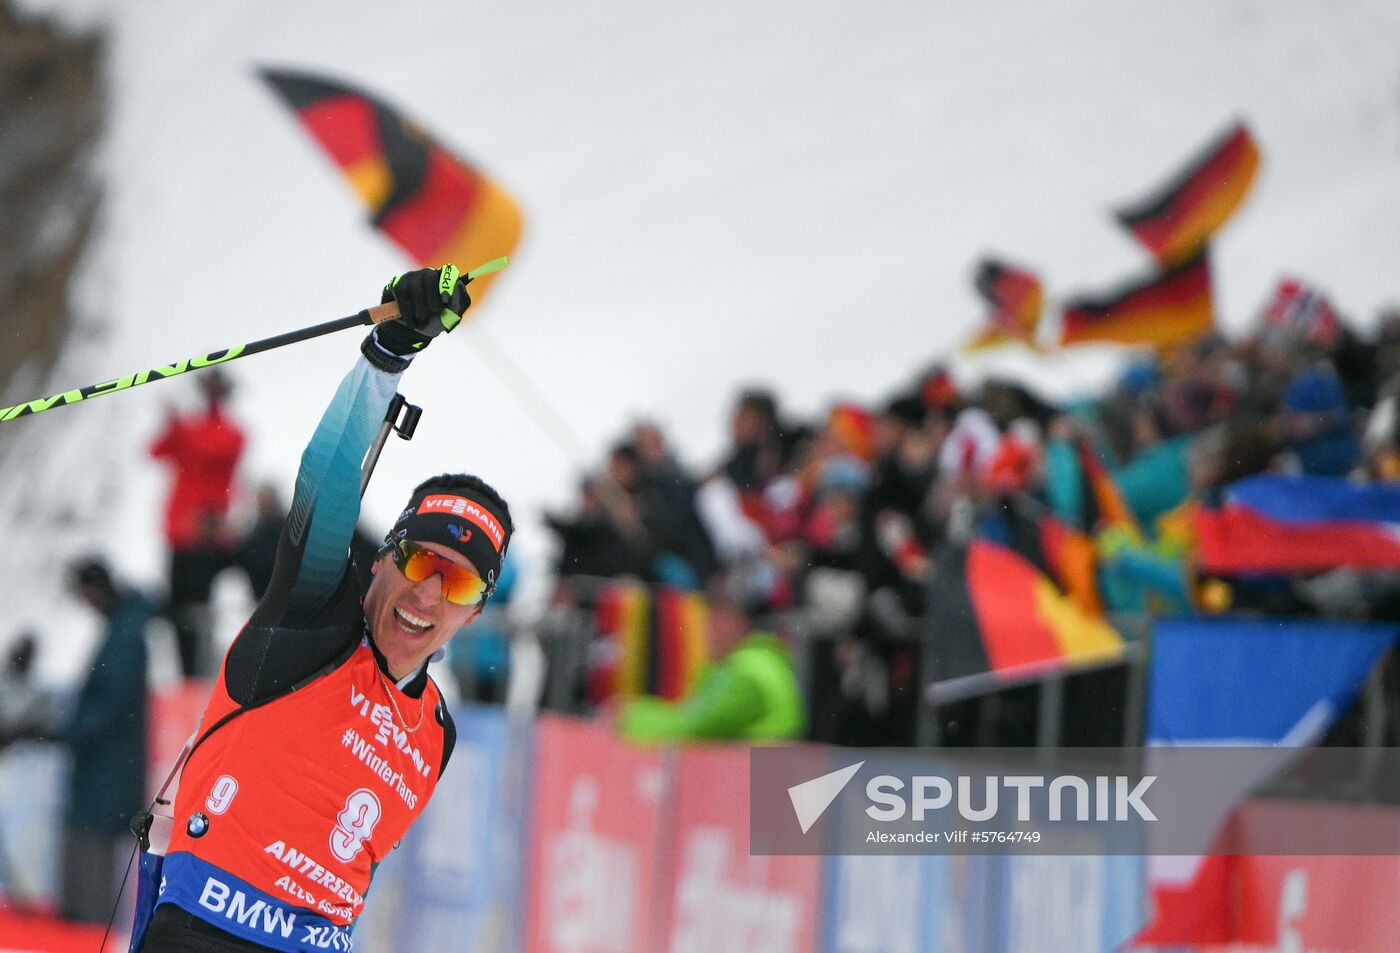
(749,692)
(106,735)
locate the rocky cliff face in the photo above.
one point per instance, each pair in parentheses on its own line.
(50,115)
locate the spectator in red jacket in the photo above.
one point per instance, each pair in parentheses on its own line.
(202,450)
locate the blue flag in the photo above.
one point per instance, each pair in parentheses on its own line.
(1256,681)
(1279,683)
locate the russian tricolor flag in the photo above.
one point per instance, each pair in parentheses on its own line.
(1275,524)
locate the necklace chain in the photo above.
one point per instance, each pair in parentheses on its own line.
(388,690)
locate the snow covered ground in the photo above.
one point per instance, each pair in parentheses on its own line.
(718,193)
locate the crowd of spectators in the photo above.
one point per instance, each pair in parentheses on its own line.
(841,522)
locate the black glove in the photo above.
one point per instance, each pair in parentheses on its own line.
(431,301)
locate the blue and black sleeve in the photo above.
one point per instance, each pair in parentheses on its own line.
(310,614)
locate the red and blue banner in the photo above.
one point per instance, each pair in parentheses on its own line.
(1300,524)
(1225,681)
(1316,499)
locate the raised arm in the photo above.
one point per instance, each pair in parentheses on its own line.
(326,501)
(313,554)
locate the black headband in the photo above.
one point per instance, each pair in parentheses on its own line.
(455,520)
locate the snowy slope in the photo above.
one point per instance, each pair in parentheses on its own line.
(716,193)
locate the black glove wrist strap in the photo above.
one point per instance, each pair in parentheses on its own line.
(384,360)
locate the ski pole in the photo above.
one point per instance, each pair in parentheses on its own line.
(375,315)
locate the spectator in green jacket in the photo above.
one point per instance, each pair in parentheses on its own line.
(749,692)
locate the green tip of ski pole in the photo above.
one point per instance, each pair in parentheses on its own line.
(490,267)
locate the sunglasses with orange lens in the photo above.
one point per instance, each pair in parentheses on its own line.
(460,585)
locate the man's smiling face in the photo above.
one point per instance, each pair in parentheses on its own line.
(409,621)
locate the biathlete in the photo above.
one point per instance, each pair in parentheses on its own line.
(325,736)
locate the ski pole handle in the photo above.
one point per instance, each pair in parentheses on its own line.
(390,310)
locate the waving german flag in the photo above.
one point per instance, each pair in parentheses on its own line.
(1176,221)
(1163,311)
(1016,297)
(995,612)
(434,205)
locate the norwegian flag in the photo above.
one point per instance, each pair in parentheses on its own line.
(1303,310)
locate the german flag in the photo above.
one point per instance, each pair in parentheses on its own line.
(1015,294)
(622,617)
(682,642)
(1177,220)
(1017,299)
(995,612)
(432,204)
(1055,548)
(1164,311)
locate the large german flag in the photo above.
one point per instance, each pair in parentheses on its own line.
(995,612)
(1178,219)
(1016,298)
(1164,311)
(432,204)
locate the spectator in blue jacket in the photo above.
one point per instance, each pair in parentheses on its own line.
(1318,423)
